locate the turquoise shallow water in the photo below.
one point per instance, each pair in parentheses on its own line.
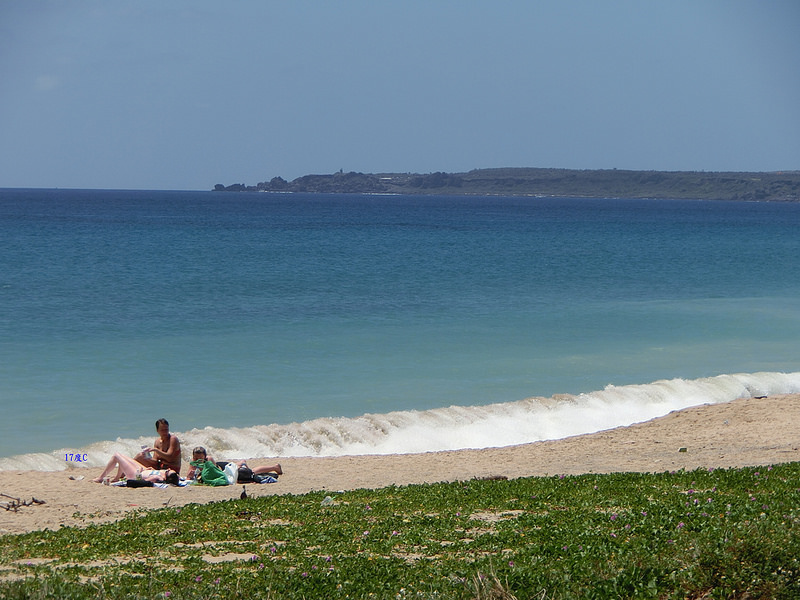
(298,314)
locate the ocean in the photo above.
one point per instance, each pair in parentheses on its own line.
(269,325)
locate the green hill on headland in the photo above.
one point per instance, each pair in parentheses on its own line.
(778,186)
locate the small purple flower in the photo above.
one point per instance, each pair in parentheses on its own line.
(613,535)
(681,525)
(304,574)
(613,516)
(511,563)
(199,578)
(365,534)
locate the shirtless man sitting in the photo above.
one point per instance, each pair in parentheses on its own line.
(165,453)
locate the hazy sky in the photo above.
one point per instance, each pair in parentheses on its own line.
(184,94)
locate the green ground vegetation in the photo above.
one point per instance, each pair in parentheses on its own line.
(725,533)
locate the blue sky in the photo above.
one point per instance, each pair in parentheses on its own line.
(184,94)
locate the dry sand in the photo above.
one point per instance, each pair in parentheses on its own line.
(745,432)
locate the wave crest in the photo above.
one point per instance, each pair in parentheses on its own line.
(450,428)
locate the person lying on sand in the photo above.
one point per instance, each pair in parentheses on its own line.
(199,454)
(132,469)
(165,452)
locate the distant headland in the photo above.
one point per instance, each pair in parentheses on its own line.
(778,186)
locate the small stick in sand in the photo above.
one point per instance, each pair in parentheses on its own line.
(16,503)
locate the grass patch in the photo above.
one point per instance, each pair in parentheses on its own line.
(701,534)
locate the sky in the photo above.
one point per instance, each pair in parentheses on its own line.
(185,94)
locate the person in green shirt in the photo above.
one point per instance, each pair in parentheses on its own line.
(200,456)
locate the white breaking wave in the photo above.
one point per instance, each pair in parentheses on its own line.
(451,428)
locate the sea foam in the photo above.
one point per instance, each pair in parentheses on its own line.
(450,428)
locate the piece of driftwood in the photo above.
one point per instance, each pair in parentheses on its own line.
(17,503)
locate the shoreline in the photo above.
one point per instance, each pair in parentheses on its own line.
(740,433)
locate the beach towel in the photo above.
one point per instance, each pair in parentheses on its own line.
(264,479)
(211,474)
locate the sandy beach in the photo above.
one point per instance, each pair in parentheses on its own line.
(745,432)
